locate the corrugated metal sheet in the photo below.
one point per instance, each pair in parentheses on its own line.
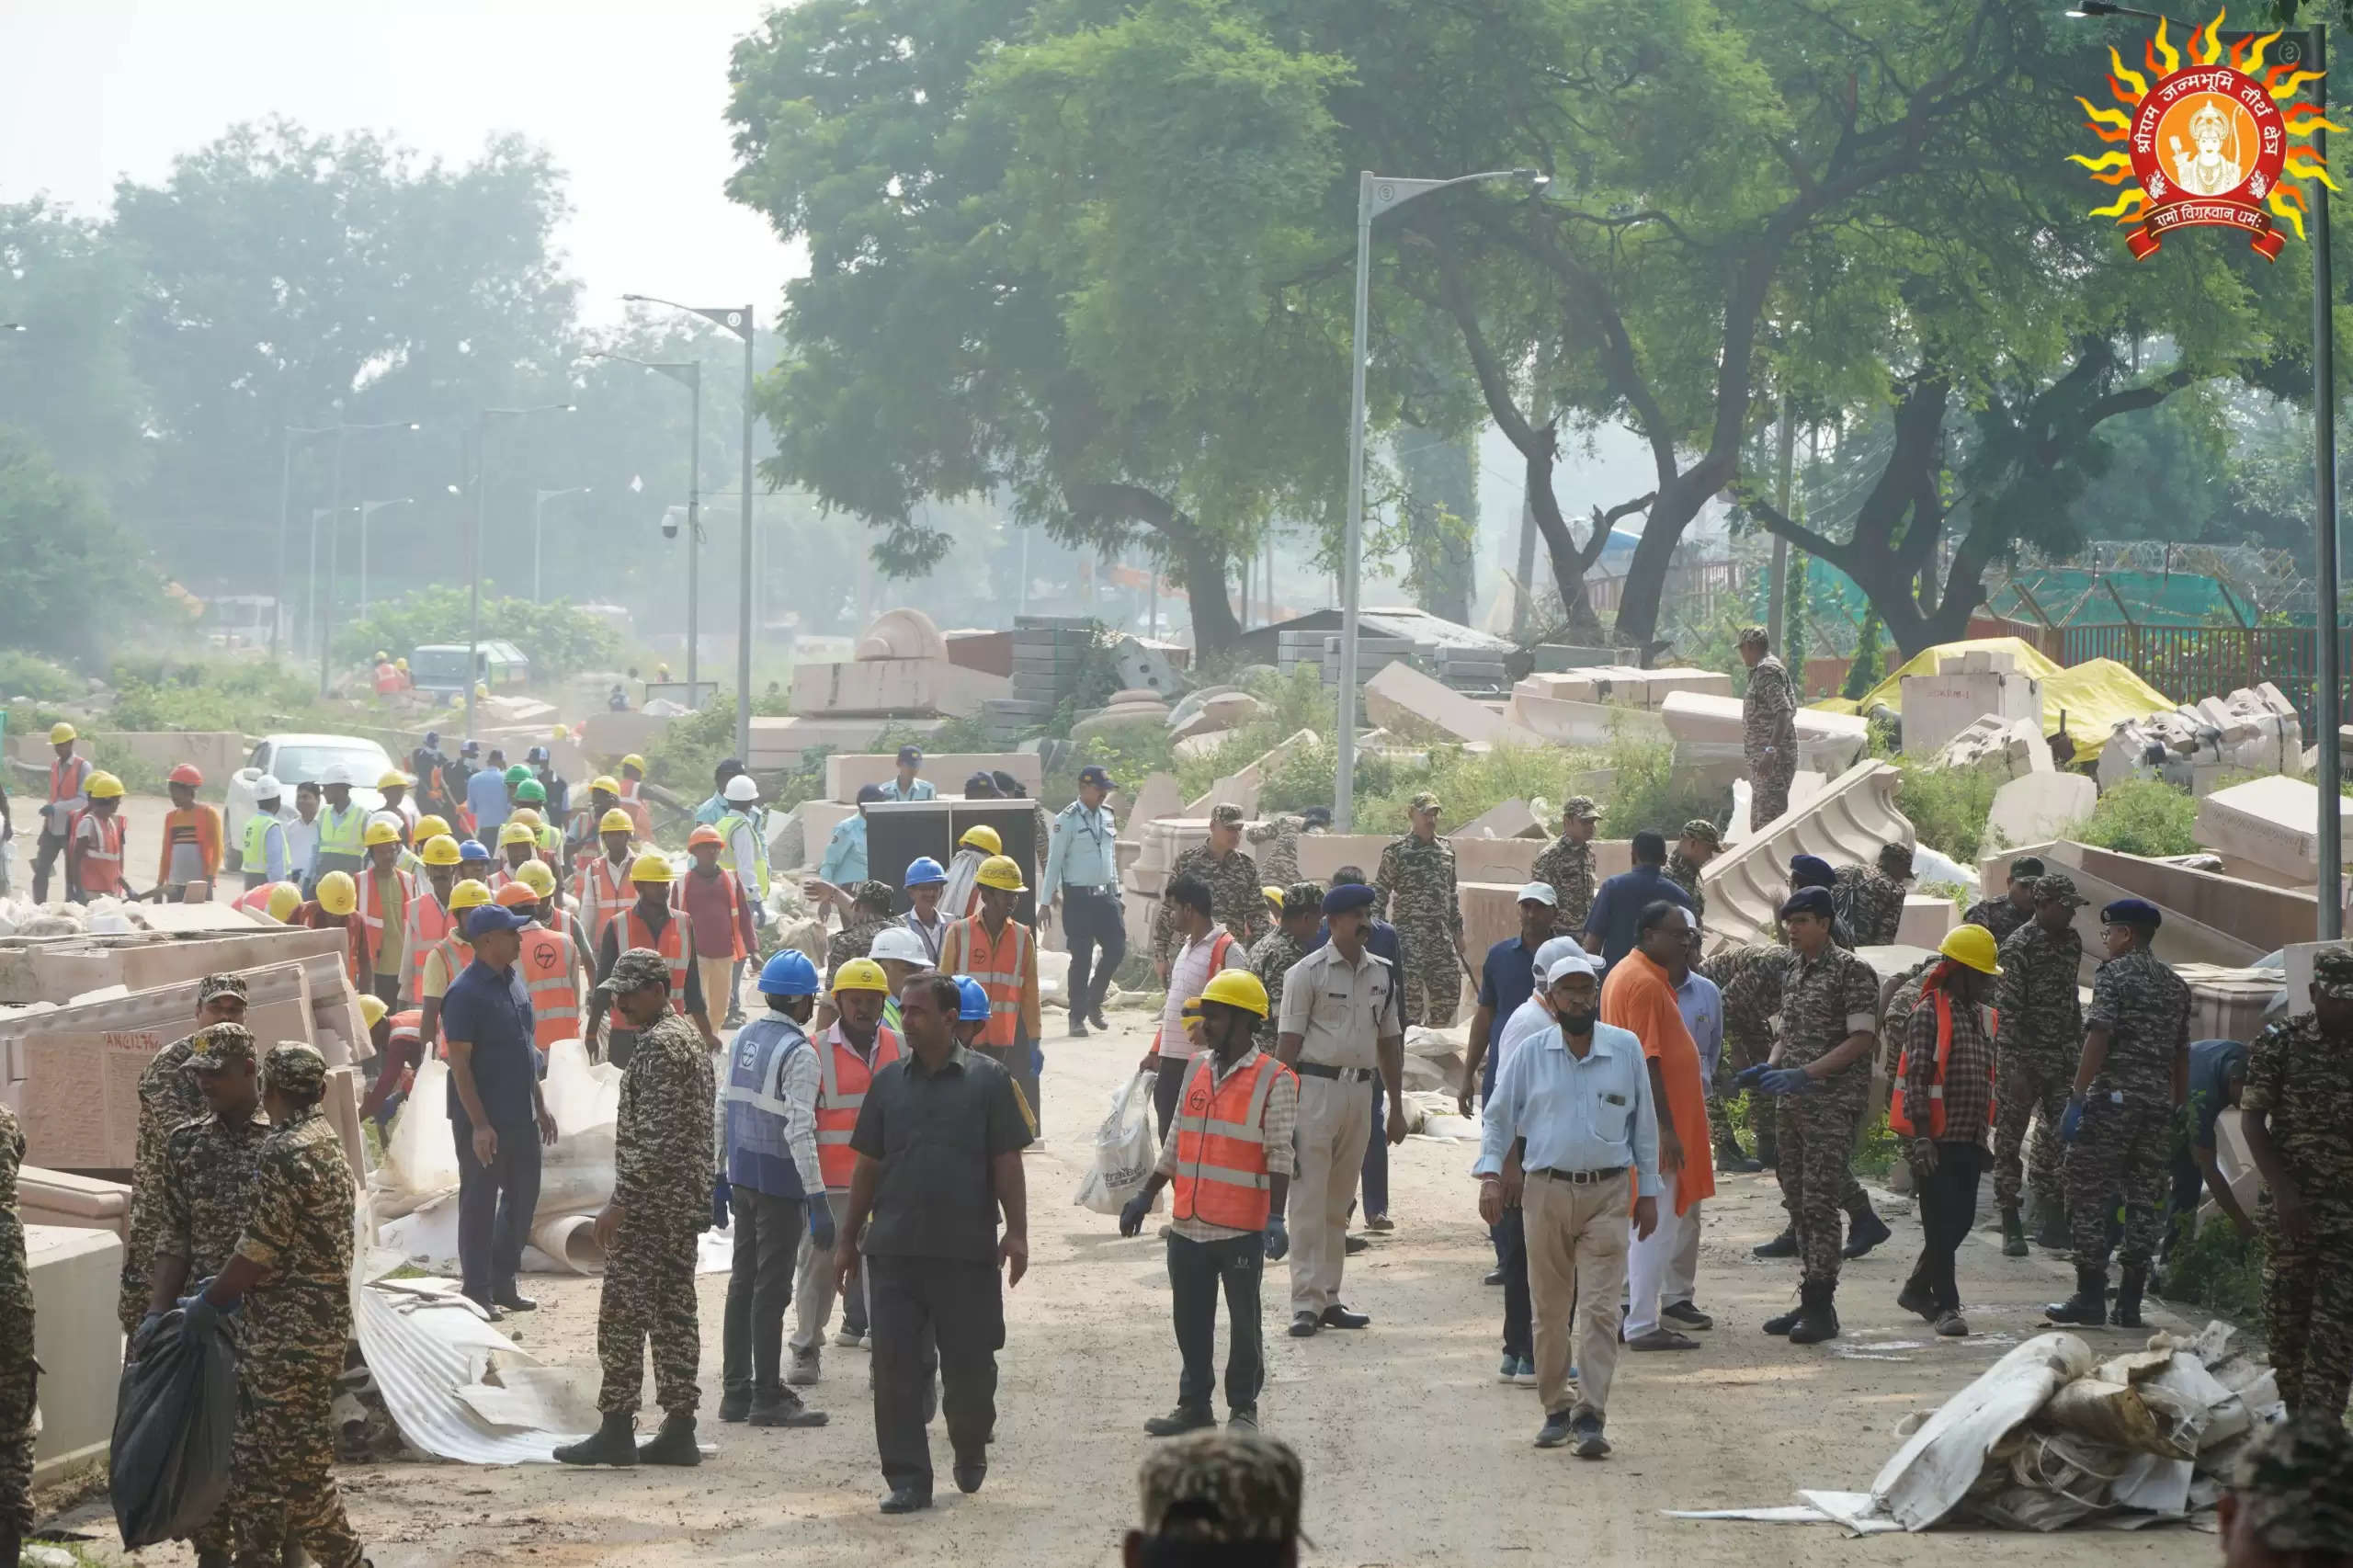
(424,1346)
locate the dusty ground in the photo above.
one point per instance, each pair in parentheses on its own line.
(1414,1452)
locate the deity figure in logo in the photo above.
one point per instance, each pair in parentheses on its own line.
(2207,172)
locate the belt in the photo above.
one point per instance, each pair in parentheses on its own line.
(1098,891)
(1582,1178)
(1343,1075)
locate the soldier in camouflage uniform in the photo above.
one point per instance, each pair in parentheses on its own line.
(660,1202)
(168,1096)
(2038,1042)
(1418,895)
(1219,1490)
(2119,1124)
(1768,729)
(1567,863)
(868,916)
(20,1376)
(1236,902)
(291,1268)
(1873,901)
(1276,843)
(1750,977)
(2291,1497)
(2004,915)
(1700,843)
(1283,946)
(2296,1109)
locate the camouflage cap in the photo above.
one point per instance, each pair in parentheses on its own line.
(214,985)
(1896,860)
(218,1047)
(2295,1486)
(1304,898)
(2059,885)
(1580,808)
(295,1070)
(1215,1487)
(1754,634)
(1424,802)
(2333,973)
(637,968)
(1704,830)
(1226,815)
(873,895)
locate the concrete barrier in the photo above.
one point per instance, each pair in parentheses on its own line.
(76,1277)
(219,753)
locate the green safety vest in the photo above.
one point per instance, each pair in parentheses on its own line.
(727,825)
(258,828)
(345,836)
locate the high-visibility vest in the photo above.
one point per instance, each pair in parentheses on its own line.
(318,919)
(98,868)
(456,954)
(256,899)
(1222,1176)
(207,824)
(674,944)
(257,846)
(734,906)
(843,1078)
(407,1027)
(371,908)
(727,825)
(1899,1117)
(344,835)
(637,810)
(66,781)
(602,890)
(428,922)
(548,977)
(1000,967)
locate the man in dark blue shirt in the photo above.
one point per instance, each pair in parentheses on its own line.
(2217,1074)
(1610,928)
(1507,979)
(496,1116)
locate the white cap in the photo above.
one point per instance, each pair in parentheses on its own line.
(898,942)
(268,789)
(1540,892)
(1552,952)
(742,788)
(1578,962)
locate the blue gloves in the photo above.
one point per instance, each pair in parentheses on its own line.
(820,1223)
(2071,1123)
(1277,1237)
(198,1316)
(1751,1077)
(722,1202)
(1132,1212)
(1786,1081)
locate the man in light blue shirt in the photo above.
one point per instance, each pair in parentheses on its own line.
(710,810)
(906,786)
(486,797)
(1572,1135)
(844,866)
(1082,866)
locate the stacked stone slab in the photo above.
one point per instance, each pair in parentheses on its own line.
(2253,730)
(1966,687)
(1049,650)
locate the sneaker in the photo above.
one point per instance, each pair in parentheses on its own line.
(1176,1423)
(804,1371)
(1555,1432)
(1243,1420)
(1662,1339)
(1912,1299)
(849,1341)
(1590,1443)
(1952,1325)
(1378,1223)
(1524,1376)
(1685,1313)
(1510,1371)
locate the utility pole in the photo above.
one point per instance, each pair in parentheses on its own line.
(1776,609)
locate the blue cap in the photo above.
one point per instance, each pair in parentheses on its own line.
(869,793)
(1349,896)
(1810,871)
(923,870)
(974,1007)
(790,973)
(2133,912)
(491,917)
(911,754)
(470,747)
(537,754)
(1091,774)
(432,737)
(1807,900)
(472,850)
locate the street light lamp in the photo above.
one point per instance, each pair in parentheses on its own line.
(474,542)
(366,510)
(1376,194)
(739,320)
(688,373)
(540,498)
(2327,675)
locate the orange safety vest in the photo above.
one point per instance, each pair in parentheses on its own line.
(428,923)
(76,770)
(256,899)
(371,908)
(312,917)
(602,890)
(547,976)
(1000,968)
(97,869)
(734,906)
(676,946)
(1899,1119)
(456,954)
(1222,1176)
(637,811)
(843,1080)
(207,822)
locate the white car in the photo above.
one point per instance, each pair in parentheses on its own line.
(304,759)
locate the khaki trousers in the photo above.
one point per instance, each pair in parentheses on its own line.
(718,986)
(1332,1132)
(1576,1259)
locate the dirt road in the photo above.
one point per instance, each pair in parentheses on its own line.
(1413,1453)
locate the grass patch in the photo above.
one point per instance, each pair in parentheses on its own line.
(2141,817)
(2216,1269)
(1878,1149)
(1947,807)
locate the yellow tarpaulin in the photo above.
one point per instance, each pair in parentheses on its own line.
(2096,696)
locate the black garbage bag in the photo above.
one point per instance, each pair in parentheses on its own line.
(175,1416)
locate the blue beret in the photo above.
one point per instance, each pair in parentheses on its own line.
(1807,900)
(1810,871)
(1347,896)
(2133,912)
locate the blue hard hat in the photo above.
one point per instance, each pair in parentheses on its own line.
(472,850)
(790,973)
(923,870)
(976,1007)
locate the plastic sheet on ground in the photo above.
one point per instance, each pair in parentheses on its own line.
(2096,695)
(427,1346)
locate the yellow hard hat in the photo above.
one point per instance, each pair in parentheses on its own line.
(381,655)
(379,832)
(440,850)
(338,894)
(372,1009)
(607,782)
(1272,895)
(616,821)
(517,833)
(61,731)
(861,974)
(1001,872)
(633,760)
(983,837)
(481,691)
(401,664)
(525,815)
(651,867)
(467,894)
(1240,988)
(103,786)
(394,778)
(1971,944)
(535,875)
(430,826)
(285,898)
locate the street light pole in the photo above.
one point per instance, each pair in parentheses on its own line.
(688,373)
(1376,194)
(538,499)
(335,509)
(473,545)
(366,510)
(311,620)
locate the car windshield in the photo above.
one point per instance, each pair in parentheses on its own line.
(440,666)
(309,764)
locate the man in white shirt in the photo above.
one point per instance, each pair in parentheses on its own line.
(1207,950)
(925,881)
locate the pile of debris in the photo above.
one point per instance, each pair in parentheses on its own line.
(2254,730)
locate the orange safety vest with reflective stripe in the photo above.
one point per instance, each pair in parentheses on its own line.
(547,975)
(428,922)
(66,779)
(1222,1176)
(1899,1118)
(207,824)
(676,945)
(601,890)
(96,869)
(843,1080)
(371,908)
(1000,967)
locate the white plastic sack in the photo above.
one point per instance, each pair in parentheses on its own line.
(1125,1151)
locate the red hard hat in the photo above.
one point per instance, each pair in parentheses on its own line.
(188,773)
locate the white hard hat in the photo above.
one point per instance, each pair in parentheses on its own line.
(336,775)
(898,942)
(267,788)
(742,788)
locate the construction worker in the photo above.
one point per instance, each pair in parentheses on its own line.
(719,913)
(385,892)
(851,1050)
(632,798)
(425,763)
(393,785)
(715,808)
(429,919)
(924,882)
(332,906)
(604,795)
(475,862)
(1943,1102)
(386,678)
(562,921)
(189,851)
(428,828)
(400,1049)
(960,895)
(448,959)
(302,835)
(549,964)
(650,923)
(1002,954)
(972,1010)
(68,777)
(600,887)
(555,793)
(277,900)
(342,828)
(518,842)
(532,805)
(94,842)
(900,953)
(1209,950)
(1231,1163)
(263,856)
(744,849)
(487,793)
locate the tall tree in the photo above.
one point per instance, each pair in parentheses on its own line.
(67,378)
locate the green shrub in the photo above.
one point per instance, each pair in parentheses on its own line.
(2216,1269)
(248,695)
(690,750)
(2141,817)
(30,676)
(559,639)
(1947,807)
(1645,790)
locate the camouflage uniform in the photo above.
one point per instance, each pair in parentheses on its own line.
(1221,1488)
(168,1096)
(20,1375)
(2302,1082)
(2039,1043)
(1823,1001)
(662,1186)
(1685,875)
(1750,977)
(1998,915)
(1274,955)
(1770,739)
(1237,899)
(1277,843)
(859,927)
(1873,905)
(2122,1151)
(2295,1484)
(1569,867)
(297,1327)
(1417,893)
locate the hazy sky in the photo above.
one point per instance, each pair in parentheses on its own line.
(628,97)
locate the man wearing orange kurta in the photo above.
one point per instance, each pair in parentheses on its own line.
(1639,996)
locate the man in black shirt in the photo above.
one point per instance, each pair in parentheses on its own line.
(939,1144)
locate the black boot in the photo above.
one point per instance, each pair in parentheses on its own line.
(2050,1230)
(779,1406)
(205,1558)
(674,1444)
(2013,1233)
(1730,1158)
(1769,1143)
(1786,1322)
(2088,1304)
(615,1442)
(1817,1316)
(734,1404)
(1783,1245)
(1864,1231)
(2128,1297)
